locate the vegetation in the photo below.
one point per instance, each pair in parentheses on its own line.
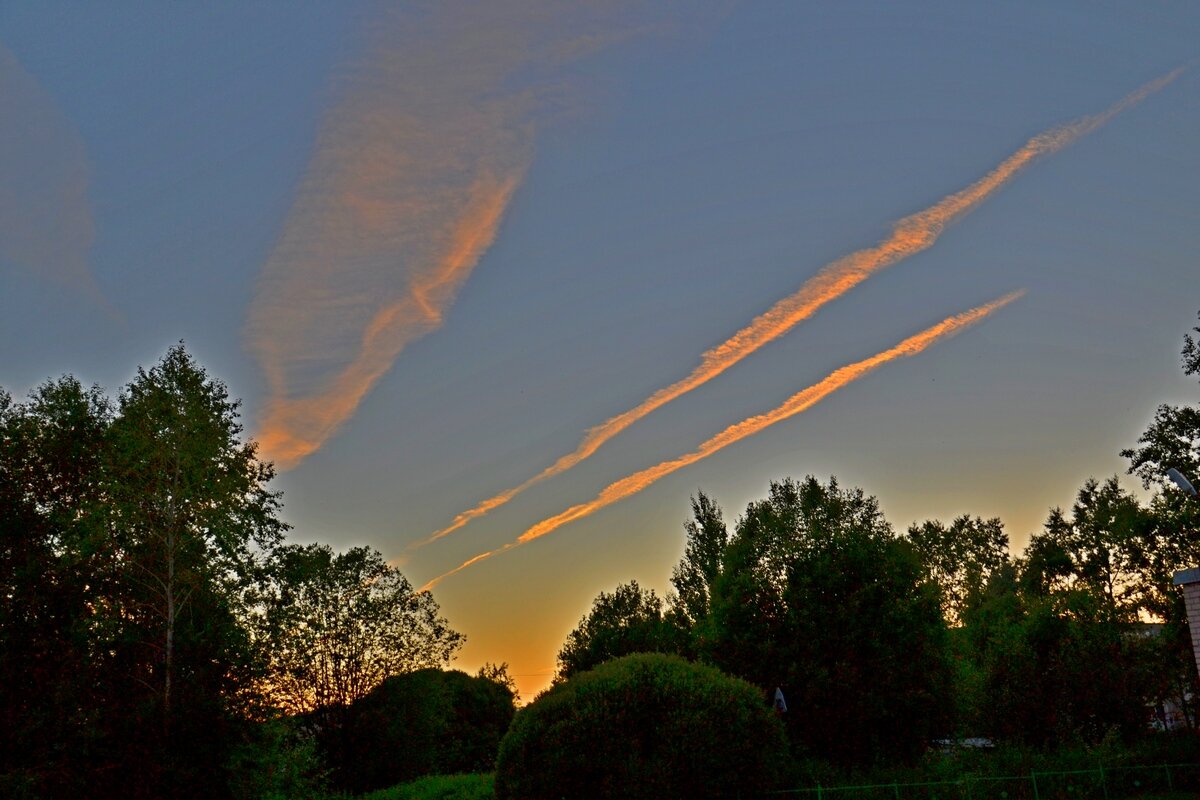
(960,558)
(131,531)
(158,637)
(141,561)
(419,723)
(332,627)
(630,620)
(642,726)
(882,643)
(813,594)
(439,787)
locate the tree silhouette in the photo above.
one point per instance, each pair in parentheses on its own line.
(332,627)
(629,620)
(960,557)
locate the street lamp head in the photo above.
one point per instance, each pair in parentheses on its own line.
(1183,483)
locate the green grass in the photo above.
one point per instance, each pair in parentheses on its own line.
(439,787)
(479,787)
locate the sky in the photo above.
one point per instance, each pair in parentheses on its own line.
(502,285)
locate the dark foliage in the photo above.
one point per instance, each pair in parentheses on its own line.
(277,759)
(127,538)
(421,723)
(960,557)
(819,597)
(53,567)
(332,626)
(630,620)
(642,726)
(700,567)
(1058,670)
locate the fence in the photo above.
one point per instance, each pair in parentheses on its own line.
(1105,783)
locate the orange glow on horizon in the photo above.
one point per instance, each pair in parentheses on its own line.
(796,404)
(909,236)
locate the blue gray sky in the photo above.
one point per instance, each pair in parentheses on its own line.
(432,245)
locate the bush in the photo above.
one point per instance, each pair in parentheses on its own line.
(277,761)
(420,723)
(642,726)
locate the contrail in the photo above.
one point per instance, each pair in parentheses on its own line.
(295,427)
(413,170)
(796,404)
(909,236)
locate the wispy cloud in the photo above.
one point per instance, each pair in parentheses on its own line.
(414,168)
(796,404)
(46,225)
(909,236)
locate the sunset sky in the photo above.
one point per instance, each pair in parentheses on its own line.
(502,284)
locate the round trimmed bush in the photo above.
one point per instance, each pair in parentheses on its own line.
(642,726)
(426,722)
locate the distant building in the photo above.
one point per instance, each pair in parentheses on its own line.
(1189,579)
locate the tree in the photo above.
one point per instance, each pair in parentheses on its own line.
(54,574)
(630,620)
(960,557)
(1173,438)
(128,538)
(1056,666)
(333,627)
(1111,544)
(818,596)
(499,674)
(1056,637)
(698,571)
(187,508)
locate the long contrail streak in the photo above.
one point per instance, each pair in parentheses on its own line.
(909,236)
(796,404)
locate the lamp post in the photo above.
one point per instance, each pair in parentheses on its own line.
(1183,483)
(1189,579)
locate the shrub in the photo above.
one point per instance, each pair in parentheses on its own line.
(420,723)
(642,726)
(277,761)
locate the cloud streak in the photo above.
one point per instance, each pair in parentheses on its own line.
(46,224)
(414,168)
(909,236)
(796,404)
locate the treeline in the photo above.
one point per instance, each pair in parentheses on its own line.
(883,642)
(159,637)
(153,621)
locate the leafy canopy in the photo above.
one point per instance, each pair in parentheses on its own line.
(334,626)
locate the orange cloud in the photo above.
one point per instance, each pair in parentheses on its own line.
(293,429)
(413,169)
(796,404)
(909,236)
(46,224)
